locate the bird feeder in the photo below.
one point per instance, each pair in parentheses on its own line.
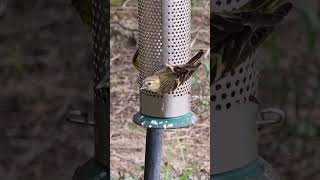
(233,131)
(98,167)
(164,38)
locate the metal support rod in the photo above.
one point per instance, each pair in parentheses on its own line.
(152,164)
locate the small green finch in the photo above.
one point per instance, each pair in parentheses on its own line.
(238,34)
(170,77)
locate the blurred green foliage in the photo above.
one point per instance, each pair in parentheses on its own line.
(116,2)
(311,22)
(292,79)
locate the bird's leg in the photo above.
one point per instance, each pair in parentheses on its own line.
(254,99)
(170,66)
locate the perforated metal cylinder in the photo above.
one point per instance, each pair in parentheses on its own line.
(164,37)
(101,52)
(233,117)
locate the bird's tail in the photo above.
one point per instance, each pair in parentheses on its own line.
(195,60)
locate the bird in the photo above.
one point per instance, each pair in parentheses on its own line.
(170,77)
(236,35)
(84,9)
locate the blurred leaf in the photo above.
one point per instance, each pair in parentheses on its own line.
(306,130)
(186,175)
(195,78)
(193,4)
(116,2)
(207,68)
(302,129)
(167,172)
(312,23)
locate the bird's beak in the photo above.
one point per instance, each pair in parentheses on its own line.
(143,87)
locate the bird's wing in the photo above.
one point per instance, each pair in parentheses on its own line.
(259,5)
(253,5)
(234,49)
(258,19)
(271,5)
(195,60)
(257,26)
(262,33)
(223,28)
(185,71)
(135,60)
(283,9)
(168,80)
(217,67)
(258,37)
(270,15)
(226,22)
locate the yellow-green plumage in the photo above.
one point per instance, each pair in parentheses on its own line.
(238,34)
(171,77)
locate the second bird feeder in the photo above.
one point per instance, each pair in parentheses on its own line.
(233,126)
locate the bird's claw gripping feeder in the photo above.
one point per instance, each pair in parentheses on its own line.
(233,126)
(164,38)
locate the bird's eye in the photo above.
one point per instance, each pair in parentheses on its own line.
(149,84)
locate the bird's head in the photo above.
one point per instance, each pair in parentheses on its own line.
(151,83)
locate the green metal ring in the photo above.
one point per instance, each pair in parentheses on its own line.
(253,171)
(91,170)
(164,123)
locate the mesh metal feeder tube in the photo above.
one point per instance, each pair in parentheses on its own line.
(233,120)
(164,38)
(98,168)
(233,117)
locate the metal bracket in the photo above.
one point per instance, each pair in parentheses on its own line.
(78,117)
(263,121)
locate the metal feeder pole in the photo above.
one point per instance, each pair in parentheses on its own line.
(98,168)
(153,154)
(164,37)
(233,129)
